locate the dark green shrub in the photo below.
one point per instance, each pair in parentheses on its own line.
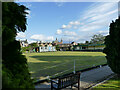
(112,49)
(15,68)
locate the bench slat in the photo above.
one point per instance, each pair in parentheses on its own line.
(68,80)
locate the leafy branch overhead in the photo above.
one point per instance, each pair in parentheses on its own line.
(15,69)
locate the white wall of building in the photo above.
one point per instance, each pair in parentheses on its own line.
(46,49)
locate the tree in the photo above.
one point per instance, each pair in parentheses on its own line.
(15,69)
(29,47)
(57,47)
(33,45)
(97,39)
(112,49)
(86,42)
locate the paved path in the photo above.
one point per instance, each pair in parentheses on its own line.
(88,78)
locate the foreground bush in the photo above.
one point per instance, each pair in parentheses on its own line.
(15,69)
(112,49)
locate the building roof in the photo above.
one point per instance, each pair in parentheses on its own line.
(25,41)
(96,44)
(90,45)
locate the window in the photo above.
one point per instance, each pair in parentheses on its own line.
(78,48)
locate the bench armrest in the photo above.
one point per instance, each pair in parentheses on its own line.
(54,81)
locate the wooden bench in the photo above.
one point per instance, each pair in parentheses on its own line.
(65,81)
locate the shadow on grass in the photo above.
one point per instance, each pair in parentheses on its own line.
(62,63)
(66,58)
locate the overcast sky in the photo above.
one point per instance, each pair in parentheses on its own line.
(71,21)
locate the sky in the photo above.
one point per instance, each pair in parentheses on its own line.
(69,21)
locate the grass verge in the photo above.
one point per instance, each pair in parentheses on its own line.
(112,84)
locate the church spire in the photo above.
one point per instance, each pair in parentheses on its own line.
(61,40)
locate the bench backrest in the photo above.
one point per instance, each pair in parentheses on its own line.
(69,80)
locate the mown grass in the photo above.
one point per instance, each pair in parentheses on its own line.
(111,84)
(50,63)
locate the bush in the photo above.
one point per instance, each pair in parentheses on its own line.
(112,49)
(15,68)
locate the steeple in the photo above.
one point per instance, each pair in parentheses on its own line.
(61,40)
(56,39)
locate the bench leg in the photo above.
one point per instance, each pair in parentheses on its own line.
(71,86)
(78,85)
(51,85)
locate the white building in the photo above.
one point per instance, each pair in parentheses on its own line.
(23,43)
(46,49)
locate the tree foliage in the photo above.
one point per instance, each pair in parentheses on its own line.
(24,49)
(33,45)
(57,47)
(15,69)
(97,39)
(112,49)
(86,42)
(29,47)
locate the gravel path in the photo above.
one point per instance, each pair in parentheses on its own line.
(87,79)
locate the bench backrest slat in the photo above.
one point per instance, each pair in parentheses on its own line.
(68,80)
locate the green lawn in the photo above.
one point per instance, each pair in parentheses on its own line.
(112,84)
(53,63)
